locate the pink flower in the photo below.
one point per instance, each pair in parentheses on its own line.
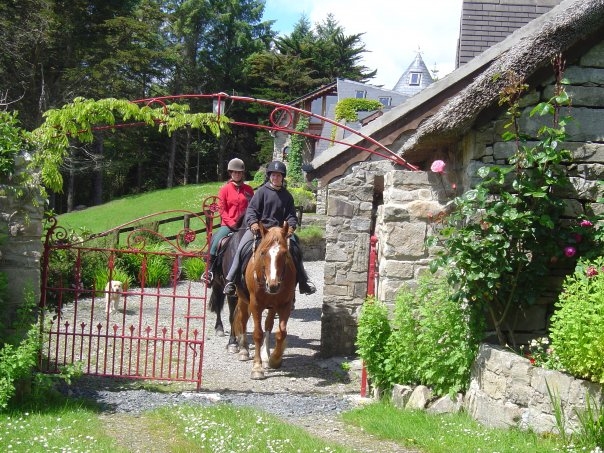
(586,223)
(438,166)
(591,271)
(570,251)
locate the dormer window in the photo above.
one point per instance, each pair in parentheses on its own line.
(415,78)
(361,94)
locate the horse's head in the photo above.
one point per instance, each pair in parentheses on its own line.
(272,258)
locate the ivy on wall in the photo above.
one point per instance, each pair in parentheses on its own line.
(346,109)
(295,154)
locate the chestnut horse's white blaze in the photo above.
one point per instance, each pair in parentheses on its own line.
(271,279)
(272,271)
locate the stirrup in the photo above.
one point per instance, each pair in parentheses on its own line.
(230,289)
(208,279)
(307,288)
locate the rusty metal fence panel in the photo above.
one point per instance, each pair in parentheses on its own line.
(157,329)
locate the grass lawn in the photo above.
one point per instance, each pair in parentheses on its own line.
(97,219)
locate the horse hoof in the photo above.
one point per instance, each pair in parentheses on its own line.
(232,349)
(256,375)
(219,332)
(275,364)
(243,356)
(265,365)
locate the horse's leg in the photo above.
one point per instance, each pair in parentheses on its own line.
(216,304)
(276,358)
(240,324)
(268,328)
(232,345)
(257,370)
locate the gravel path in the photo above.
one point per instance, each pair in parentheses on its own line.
(308,390)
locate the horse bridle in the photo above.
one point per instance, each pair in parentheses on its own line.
(281,277)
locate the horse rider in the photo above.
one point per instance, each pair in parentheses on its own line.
(272,204)
(233,199)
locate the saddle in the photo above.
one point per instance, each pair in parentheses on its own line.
(244,258)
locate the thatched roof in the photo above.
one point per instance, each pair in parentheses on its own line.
(526,51)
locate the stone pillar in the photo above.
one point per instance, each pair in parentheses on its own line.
(349,212)
(21,216)
(411,202)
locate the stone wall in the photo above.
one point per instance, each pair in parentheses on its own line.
(21,215)
(506,391)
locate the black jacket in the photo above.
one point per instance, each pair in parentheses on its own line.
(271,207)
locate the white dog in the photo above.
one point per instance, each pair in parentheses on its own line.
(112,296)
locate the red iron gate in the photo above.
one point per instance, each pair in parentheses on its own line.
(157,328)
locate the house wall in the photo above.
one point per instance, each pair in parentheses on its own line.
(411,200)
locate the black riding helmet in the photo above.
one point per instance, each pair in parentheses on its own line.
(276,166)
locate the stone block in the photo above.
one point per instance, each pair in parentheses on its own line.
(420,397)
(340,208)
(401,395)
(447,405)
(410,179)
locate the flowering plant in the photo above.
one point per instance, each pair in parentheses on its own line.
(577,325)
(498,242)
(541,354)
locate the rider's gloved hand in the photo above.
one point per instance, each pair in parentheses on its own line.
(290,231)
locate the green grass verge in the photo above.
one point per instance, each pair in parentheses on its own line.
(226,428)
(445,433)
(69,428)
(97,219)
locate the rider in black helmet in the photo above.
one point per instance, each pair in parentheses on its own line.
(272,204)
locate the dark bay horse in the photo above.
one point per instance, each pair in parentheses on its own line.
(270,284)
(216,304)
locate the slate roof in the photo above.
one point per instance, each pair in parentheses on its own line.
(484,23)
(405,84)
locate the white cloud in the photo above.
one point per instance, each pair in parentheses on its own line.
(393,30)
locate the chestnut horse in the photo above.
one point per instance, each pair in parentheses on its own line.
(270,284)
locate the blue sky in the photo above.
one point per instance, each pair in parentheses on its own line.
(393,30)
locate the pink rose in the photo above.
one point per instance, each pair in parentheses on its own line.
(570,251)
(586,223)
(438,166)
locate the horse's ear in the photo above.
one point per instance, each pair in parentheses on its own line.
(263,229)
(285,228)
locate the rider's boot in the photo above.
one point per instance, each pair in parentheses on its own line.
(305,286)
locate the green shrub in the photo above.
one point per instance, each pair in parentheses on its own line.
(577,325)
(159,266)
(311,233)
(372,335)
(193,268)
(305,198)
(432,340)
(17,363)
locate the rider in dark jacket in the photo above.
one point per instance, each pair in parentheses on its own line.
(272,204)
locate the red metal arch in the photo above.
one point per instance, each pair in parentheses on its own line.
(289,110)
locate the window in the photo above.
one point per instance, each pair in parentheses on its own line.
(415,78)
(361,94)
(386,101)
